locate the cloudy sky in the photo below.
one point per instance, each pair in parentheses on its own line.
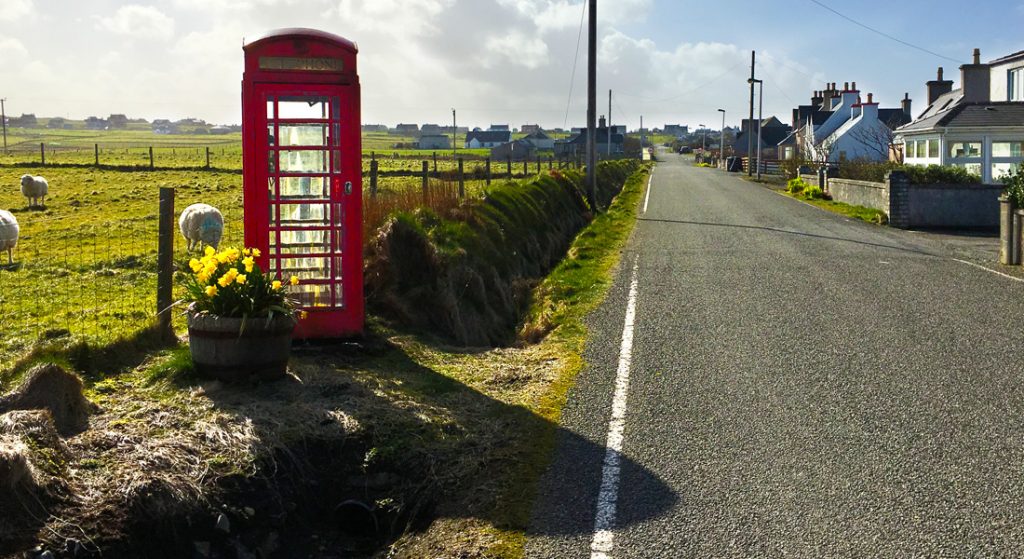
(497,61)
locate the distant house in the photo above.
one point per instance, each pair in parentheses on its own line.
(117,121)
(164,126)
(435,142)
(979,127)
(518,150)
(407,129)
(604,135)
(95,123)
(56,122)
(499,128)
(677,130)
(26,120)
(489,139)
(540,140)
(530,128)
(772,132)
(374,128)
(220,130)
(431,130)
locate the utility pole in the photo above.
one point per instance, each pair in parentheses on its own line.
(750,126)
(455,136)
(592,109)
(721,139)
(3,118)
(760,108)
(641,137)
(610,128)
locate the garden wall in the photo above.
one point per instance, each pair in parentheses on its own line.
(860,193)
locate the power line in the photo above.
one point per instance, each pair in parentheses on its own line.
(886,35)
(576,58)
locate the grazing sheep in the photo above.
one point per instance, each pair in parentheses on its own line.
(35,189)
(8,234)
(201,224)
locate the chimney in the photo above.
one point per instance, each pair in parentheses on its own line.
(870,109)
(846,86)
(854,86)
(907,106)
(976,81)
(602,122)
(938,87)
(818,99)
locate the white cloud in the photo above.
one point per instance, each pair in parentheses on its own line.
(139,21)
(12,10)
(518,49)
(12,49)
(395,17)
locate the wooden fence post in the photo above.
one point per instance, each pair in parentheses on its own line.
(150,157)
(435,162)
(426,180)
(373,178)
(207,157)
(96,151)
(165,264)
(42,153)
(526,166)
(462,181)
(487,165)
(509,161)
(538,164)
(551,163)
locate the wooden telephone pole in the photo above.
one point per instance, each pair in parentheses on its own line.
(592,109)
(3,118)
(750,123)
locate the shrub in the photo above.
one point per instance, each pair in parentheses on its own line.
(937,174)
(796,186)
(1015,187)
(812,192)
(866,170)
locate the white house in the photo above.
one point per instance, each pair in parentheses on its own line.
(540,140)
(979,127)
(435,141)
(489,139)
(846,127)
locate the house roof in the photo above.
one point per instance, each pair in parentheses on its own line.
(893,118)
(1009,58)
(945,102)
(538,135)
(770,136)
(489,136)
(602,134)
(972,115)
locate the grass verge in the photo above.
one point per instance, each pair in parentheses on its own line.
(862,213)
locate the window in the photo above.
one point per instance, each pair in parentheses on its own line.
(964,149)
(972,168)
(1007,149)
(909,148)
(999,170)
(933,149)
(1015,86)
(922,149)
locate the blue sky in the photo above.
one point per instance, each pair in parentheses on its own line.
(498,61)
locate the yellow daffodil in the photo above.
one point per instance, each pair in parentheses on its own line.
(256,253)
(246,252)
(211,291)
(248,263)
(303,315)
(240,280)
(294,280)
(195,265)
(276,285)
(210,251)
(224,281)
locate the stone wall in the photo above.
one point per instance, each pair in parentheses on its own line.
(860,193)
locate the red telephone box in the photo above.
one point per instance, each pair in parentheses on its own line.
(302,172)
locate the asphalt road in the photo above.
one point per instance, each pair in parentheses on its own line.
(801,385)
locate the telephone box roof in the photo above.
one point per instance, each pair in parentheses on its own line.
(303,33)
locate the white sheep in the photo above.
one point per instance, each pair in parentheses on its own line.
(201,224)
(8,234)
(35,189)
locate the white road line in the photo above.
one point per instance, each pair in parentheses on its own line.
(607,500)
(996,272)
(650,182)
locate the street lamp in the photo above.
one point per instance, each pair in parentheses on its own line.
(760,117)
(721,143)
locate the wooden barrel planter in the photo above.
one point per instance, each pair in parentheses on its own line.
(223,349)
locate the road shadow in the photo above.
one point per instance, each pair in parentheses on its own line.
(794,233)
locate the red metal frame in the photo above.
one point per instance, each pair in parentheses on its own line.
(322,66)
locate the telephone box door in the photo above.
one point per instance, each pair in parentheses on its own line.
(312,201)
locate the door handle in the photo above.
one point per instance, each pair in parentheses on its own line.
(348,188)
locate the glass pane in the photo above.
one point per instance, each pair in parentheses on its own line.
(313,268)
(1006,149)
(338,267)
(303,134)
(270,108)
(303,107)
(311,296)
(271,140)
(1000,170)
(304,187)
(337,161)
(965,149)
(304,242)
(933,148)
(300,214)
(335,134)
(272,188)
(303,161)
(271,162)
(909,150)
(972,168)
(922,149)
(339,295)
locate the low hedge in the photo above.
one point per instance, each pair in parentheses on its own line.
(875,171)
